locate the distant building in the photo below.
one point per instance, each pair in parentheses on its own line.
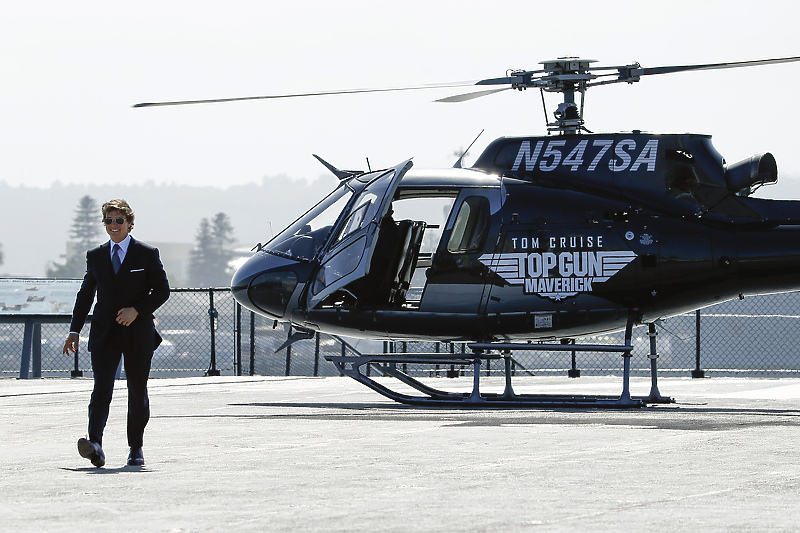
(175,257)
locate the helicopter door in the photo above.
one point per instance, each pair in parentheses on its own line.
(348,257)
(456,281)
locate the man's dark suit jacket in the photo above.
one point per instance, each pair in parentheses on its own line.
(141,283)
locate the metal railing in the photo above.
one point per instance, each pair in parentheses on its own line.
(207,333)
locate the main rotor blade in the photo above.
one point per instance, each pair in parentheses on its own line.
(470,96)
(709,66)
(627,73)
(301,95)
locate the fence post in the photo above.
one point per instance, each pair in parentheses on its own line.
(36,350)
(212,315)
(697,372)
(573,372)
(27,341)
(452,372)
(252,343)
(316,355)
(76,371)
(288,359)
(238,308)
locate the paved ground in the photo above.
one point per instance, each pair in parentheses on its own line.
(326,454)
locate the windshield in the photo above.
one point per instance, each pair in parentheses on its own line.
(304,238)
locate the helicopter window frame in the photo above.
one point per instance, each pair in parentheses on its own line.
(361,213)
(434,207)
(470,226)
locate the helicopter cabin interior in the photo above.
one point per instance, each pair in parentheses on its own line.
(409,251)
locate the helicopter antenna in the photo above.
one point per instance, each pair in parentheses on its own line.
(461,157)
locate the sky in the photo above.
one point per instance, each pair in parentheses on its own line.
(71,71)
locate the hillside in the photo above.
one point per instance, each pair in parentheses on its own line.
(35,222)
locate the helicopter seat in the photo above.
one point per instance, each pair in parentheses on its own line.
(410,253)
(376,288)
(391,276)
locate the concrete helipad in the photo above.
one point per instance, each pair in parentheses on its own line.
(326,454)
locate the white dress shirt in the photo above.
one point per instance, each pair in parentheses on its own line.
(123,248)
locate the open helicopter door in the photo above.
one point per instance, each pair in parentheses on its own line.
(349,254)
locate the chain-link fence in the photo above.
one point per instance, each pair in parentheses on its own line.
(754,336)
(206,332)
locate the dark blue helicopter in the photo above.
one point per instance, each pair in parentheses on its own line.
(543,238)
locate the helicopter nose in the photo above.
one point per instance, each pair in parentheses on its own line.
(265,284)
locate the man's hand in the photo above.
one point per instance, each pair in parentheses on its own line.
(72,343)
(126,315)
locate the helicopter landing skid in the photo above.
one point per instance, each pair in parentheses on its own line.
(387,365)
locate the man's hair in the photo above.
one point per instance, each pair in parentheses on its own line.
(119,205)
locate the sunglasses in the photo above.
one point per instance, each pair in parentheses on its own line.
(119,220)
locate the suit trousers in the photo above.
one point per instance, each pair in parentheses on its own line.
(105,362)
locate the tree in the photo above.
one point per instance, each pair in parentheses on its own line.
(74,266)
(210,259)
(200,256)
(222,230)
(85,229)
(85,233)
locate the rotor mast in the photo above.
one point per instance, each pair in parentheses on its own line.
(566,75)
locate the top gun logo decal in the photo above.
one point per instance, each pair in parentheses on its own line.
(557,275)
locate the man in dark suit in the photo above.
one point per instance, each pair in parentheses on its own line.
(130,284)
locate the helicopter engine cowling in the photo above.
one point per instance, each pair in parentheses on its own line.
(759,169)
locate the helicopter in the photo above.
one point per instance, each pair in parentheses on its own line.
(542,240)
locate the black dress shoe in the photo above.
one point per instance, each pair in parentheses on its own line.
(92,451)
(136,457)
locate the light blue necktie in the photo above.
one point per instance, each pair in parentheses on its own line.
(115,262)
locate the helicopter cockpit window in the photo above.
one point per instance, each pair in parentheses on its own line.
(358,216)
(366,205)
(471,225)
(304,238)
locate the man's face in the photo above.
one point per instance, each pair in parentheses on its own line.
(117,231)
